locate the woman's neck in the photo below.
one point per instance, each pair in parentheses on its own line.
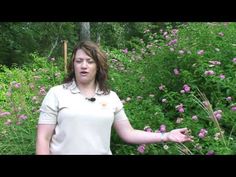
(87,90)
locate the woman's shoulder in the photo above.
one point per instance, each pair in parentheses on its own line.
(56,88)
(113,93)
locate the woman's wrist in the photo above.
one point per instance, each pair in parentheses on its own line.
(164,136)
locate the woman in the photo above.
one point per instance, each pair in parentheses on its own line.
(77,116)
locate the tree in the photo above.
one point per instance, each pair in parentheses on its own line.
(84,31)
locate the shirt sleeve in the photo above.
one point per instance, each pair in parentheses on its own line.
(119,110)
(49,108)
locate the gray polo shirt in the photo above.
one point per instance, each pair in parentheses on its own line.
(82,126)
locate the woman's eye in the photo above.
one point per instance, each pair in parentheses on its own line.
(78,61)
(90,61)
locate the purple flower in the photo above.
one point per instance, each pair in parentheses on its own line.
(202,133)
(222,76)
(125,51)
(209,73)
(176,71)
(2,114)
(180,107)
(200,52)
(162,128)
(210,153)
(141,148)
(161,87)
(186,88)
(147,129)
(233,108)
(218,116)
(215,62)
(194,117)
(229,98)
(22,116)
(8,122)
(234,60)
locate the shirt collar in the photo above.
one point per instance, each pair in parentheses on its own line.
(74,89)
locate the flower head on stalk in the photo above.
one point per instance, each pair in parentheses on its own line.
(204,103)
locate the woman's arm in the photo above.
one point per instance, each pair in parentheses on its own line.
(130,135)
(44,135)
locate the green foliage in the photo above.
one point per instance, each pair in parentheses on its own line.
(155,60)
(142,74)
(22,91)
(18,39)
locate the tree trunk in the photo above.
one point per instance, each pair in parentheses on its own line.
(84,31)
(98,32)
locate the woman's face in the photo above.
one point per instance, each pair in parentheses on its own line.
(85,68)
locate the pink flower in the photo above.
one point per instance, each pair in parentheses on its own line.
(2,114)
(22,116)
(125,51)
(222,76)
(162,128)
(42,91)
(229,98)
(18,123)
(180,108)
(141,148)
(161,87)
(165,33)
(8,122)
(202,133)
(147,129)
(234,60)
(215,62)
(194,117)
(174,31)
(210,153)
(209,73)
(176,71)
(218,116)
(233,108)
(16,84)
(172,42)
(206,104)
(186,88)
(200,52)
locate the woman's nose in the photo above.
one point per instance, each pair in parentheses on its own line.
(84,64)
